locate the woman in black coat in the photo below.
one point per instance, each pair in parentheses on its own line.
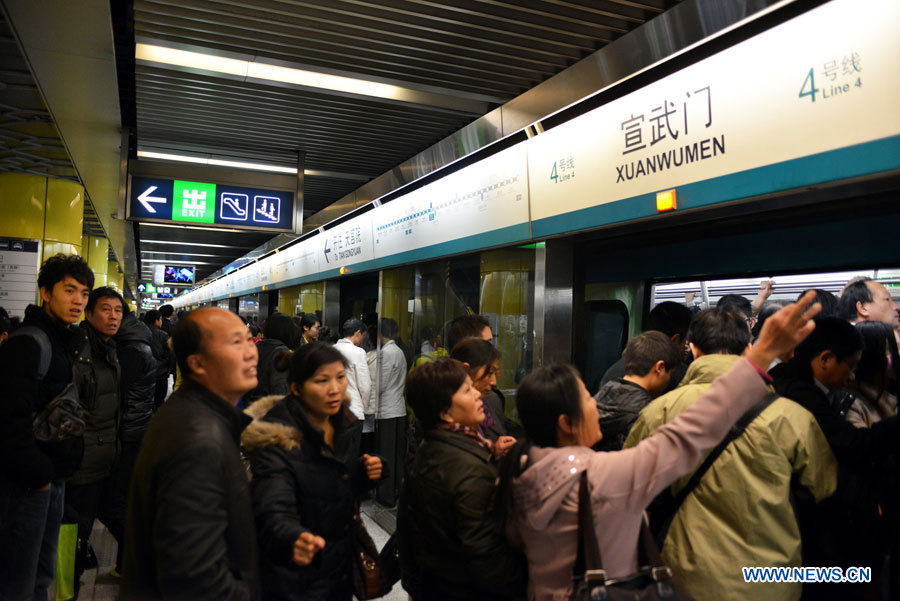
(307,477)
(452,543)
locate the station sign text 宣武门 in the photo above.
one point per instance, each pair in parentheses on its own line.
(179,201)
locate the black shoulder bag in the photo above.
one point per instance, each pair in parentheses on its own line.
(652,582)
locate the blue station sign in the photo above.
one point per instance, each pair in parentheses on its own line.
(154,199)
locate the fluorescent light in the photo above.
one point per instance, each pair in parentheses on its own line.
(189,227)
(194,60)
(143,240)
(476,104)
(182,158)
(168,252)
(177,262)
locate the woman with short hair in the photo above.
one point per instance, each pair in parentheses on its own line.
(452,544)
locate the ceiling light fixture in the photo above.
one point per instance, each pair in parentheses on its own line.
(248,70)
(208,160)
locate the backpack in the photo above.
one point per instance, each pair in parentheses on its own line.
(63,417)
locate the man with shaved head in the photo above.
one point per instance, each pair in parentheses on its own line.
(190,532)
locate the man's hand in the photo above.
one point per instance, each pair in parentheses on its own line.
(784,330)
(373,467)
(766,288)
(305,548)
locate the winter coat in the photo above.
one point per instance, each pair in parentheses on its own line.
(271,381)
(544,516)
(452,544)
(870,406)
(619,402)
(26,461)
(301,484)
(189,533)
(746,493)
(359,380)
(857,525)
(96,375)
(138,379)
(165,358)
(617,371)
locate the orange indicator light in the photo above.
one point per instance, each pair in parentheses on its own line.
(665,201)
(343,270)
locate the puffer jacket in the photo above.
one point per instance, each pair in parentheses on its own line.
(26,461)
(96,374)
(452,544)
(619,402)
(270,380)
(745,493)
(138,377)
(301,484)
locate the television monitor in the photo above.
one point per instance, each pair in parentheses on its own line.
(178,274)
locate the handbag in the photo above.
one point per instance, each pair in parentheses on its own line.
(653,582)
(374,573)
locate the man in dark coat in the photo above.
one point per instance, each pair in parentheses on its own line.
(189,532)
(96,373)
(165,359)
(649,360)
(849,528)
(32,474)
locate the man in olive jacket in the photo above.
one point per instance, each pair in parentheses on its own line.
(190,532)
(739,514)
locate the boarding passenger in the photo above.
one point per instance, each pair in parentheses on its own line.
(867,300)
(307,478)
(33,472)
(309,328)
(672,319)
(746,490)
(359,383)
(762,316)
(451,535)
(391,421)
(876,376)
(168,323)
(165,358)
(468,326)
(649,359)
(328,335)
(822,366)
(482,359)
(561,420)
(828,302)
(97,375)
(280,336)
(190,532)
(738,305)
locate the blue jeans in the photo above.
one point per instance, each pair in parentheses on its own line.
(29,534)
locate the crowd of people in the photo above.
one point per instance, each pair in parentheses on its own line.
(752,434)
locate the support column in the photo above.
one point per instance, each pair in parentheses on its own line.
(331,311)
(42,208)
(553,302)
(96,253)
(234,305)
(298,206)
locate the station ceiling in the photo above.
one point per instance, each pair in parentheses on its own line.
(453,62)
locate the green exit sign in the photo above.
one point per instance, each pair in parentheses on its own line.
(193,201)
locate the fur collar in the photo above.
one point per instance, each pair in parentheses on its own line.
(261,433)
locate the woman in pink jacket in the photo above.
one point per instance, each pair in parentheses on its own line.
(561,421)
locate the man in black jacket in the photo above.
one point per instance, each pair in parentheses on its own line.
(32,474)
(165,360)
(649,360)
(848,529)
(190,532)
(96,373)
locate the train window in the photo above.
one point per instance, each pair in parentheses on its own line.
(606,325)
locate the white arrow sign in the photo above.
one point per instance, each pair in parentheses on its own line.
(145,199)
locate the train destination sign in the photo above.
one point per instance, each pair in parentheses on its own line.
(178,201)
